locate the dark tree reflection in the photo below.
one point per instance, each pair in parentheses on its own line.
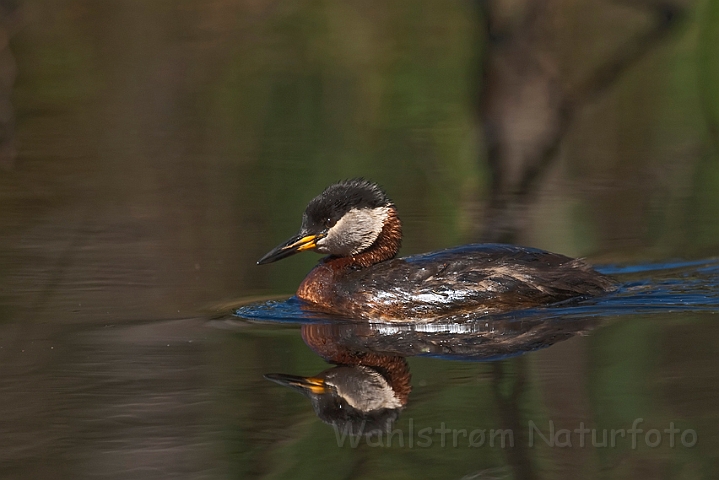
(9,22)
(528,102)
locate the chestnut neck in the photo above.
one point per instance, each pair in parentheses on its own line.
(384,248)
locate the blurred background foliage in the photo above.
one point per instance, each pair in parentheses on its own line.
(158,149)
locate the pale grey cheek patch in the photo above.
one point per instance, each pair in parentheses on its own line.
(354,232)
(377,394)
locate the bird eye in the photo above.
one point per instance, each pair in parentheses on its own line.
(328,222)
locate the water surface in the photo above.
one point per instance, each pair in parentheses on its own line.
(151,152)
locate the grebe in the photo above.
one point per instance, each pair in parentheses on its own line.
(356,224)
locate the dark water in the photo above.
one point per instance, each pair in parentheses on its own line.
(151,152)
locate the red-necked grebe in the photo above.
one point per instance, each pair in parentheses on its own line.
(356,225)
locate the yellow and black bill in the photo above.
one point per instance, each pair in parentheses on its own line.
(300,242)
(306,385)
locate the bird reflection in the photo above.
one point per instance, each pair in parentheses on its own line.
(370,384)
(357,399)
